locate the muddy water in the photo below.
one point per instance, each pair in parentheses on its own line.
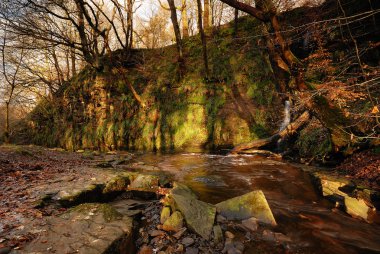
(308,219)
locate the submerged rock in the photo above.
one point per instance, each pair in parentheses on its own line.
(253,204)
(199,215)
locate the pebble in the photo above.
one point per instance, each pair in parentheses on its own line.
(192,251)
(228,234)
(155,233)
(187,241)
(145,250)
(179,234)
(250,224)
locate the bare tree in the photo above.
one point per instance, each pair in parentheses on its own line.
(203,38)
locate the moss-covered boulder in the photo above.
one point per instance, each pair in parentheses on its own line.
(165,214)
(116,184)
(253,204)
(148,183)
(174,222)
(199,216)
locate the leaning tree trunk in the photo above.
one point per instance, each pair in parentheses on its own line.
(177,32)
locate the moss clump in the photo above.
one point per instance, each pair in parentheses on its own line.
(108,212)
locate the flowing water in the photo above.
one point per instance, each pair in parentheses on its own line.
(301,213)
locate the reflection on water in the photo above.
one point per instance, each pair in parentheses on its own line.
(301,213)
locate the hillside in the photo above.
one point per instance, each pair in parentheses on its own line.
(97,109)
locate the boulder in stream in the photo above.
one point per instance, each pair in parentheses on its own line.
(252,204)
(199,216)
(345,194)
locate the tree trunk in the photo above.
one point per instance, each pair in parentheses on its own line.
(236,19)
(185,20)
(7,131)
(270,142)
(206,16)
(177,34)
(203,38)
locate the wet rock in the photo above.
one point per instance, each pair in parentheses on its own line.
(357,207)
(91,228)
(174,222)
(218,234)
(187,241)
(250,224)
(183,190)
(165,214)
(253,204)
(342,191)
(192,251)
(199,215)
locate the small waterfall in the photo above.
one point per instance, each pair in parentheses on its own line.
(286,120)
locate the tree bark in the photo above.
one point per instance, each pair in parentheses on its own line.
(291,129)
(203,38)
(7,131)
(177,32)
(185,20)
(206,16)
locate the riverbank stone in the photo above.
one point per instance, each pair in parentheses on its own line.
(174,222)
(252,204)
(199,216)
(88,229)
(345,194)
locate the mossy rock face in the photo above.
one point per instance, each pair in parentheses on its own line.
(199,216)
(253,204)
(174,222)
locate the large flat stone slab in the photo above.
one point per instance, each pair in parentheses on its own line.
(88,229)
(252,204)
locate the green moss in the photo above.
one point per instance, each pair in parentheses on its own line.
(109,213)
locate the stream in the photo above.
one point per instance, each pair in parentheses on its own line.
(301,213)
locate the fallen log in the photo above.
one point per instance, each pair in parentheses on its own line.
(290,130)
